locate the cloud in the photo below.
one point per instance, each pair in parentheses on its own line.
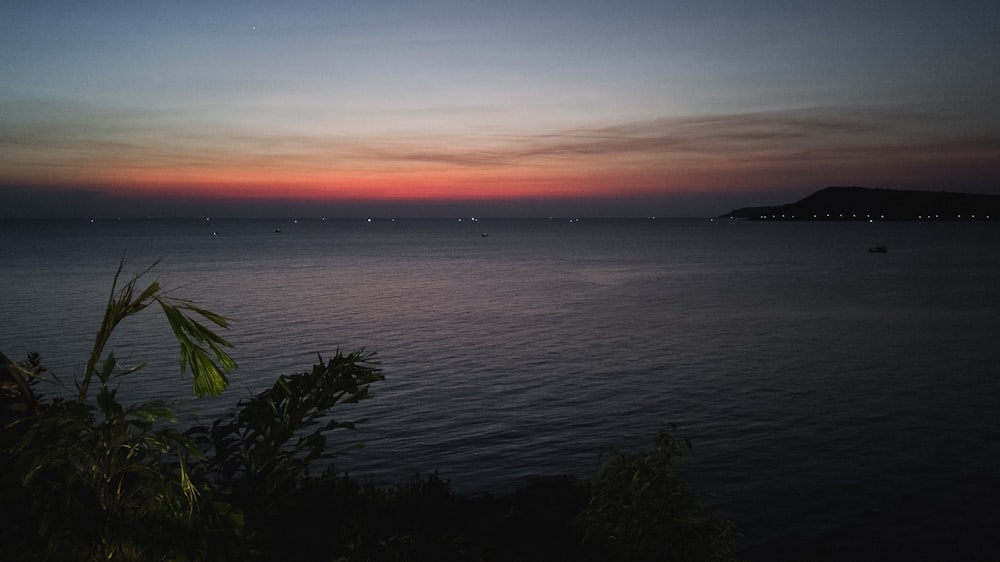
(77,145)
(817,133)
(775,132)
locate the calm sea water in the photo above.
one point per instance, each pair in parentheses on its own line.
(842,405)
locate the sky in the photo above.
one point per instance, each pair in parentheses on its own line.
(509,107)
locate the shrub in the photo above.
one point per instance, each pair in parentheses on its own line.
(641,508)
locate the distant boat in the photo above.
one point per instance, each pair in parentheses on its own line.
(277,230)
(485,235)
(878,249)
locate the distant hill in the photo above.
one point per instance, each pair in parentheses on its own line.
(861,203)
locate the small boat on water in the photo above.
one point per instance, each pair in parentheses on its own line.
(878,250)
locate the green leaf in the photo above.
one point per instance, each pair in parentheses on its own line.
(208,374)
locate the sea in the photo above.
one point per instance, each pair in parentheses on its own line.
(841,404)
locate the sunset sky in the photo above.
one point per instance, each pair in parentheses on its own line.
(505,107)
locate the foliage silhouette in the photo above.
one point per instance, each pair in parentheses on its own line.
(264,446)
(641,508)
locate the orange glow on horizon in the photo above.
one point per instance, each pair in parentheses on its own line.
(427,184)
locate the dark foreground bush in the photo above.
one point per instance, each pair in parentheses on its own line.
(641,508)
(652,517)
(339,518)
(91,478)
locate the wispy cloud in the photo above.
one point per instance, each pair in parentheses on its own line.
(86,146)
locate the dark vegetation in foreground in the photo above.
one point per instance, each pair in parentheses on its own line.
(91,478)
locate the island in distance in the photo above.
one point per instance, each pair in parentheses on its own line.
(861,203)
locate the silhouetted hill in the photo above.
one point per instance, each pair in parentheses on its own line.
(861,203)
